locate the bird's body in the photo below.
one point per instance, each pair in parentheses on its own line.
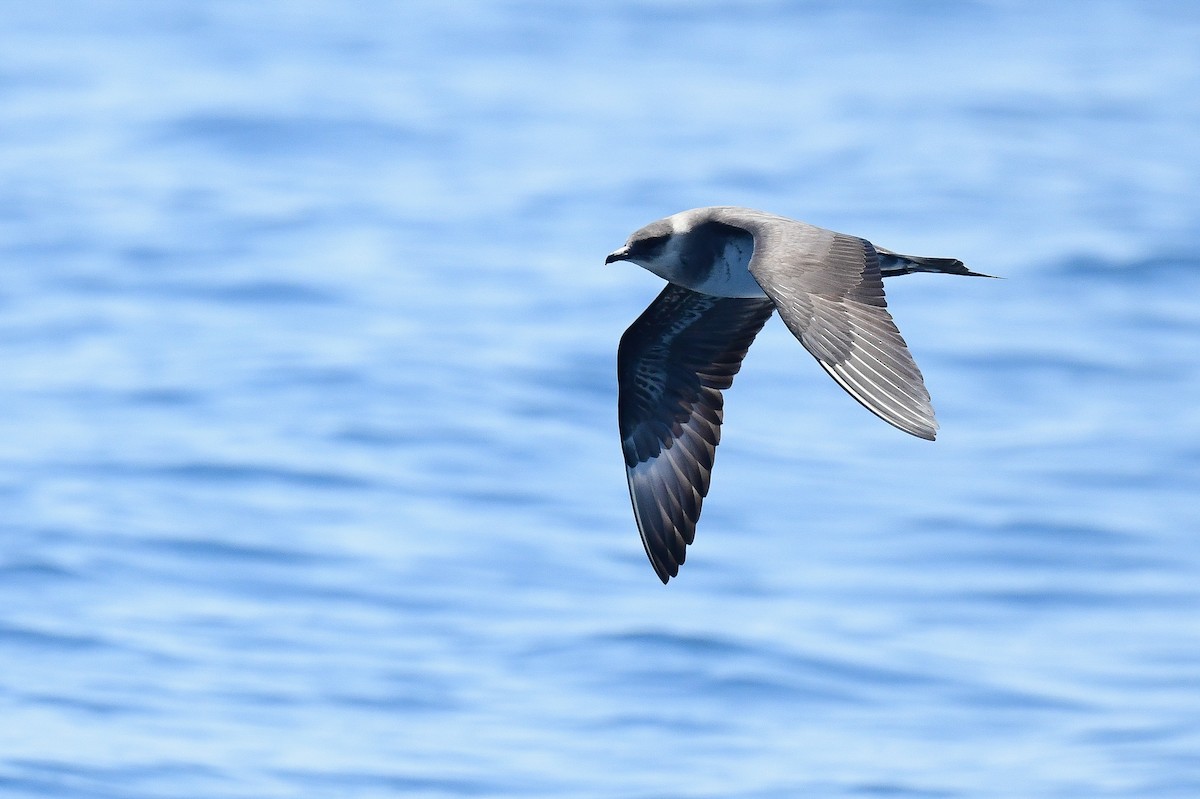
(728,269)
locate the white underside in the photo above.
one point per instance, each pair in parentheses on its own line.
(730,276)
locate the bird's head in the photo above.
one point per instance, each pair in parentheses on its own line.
(654,247)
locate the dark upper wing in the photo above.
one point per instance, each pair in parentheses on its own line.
(671,366)
(828,288)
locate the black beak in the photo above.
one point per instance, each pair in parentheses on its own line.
(619,255)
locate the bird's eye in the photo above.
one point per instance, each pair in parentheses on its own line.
(649,246)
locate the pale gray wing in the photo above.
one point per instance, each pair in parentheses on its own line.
(671,366)
(829,291)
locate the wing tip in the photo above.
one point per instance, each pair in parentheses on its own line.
(925,427)
(929,434)
(665,569)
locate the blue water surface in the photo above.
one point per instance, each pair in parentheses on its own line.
(309,478)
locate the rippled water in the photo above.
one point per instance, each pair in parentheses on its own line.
(308,469)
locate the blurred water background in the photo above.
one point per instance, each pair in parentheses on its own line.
(309,479)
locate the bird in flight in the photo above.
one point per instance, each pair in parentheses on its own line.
(727,270)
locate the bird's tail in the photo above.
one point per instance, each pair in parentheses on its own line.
(892,264)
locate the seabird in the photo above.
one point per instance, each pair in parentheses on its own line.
(727,270)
